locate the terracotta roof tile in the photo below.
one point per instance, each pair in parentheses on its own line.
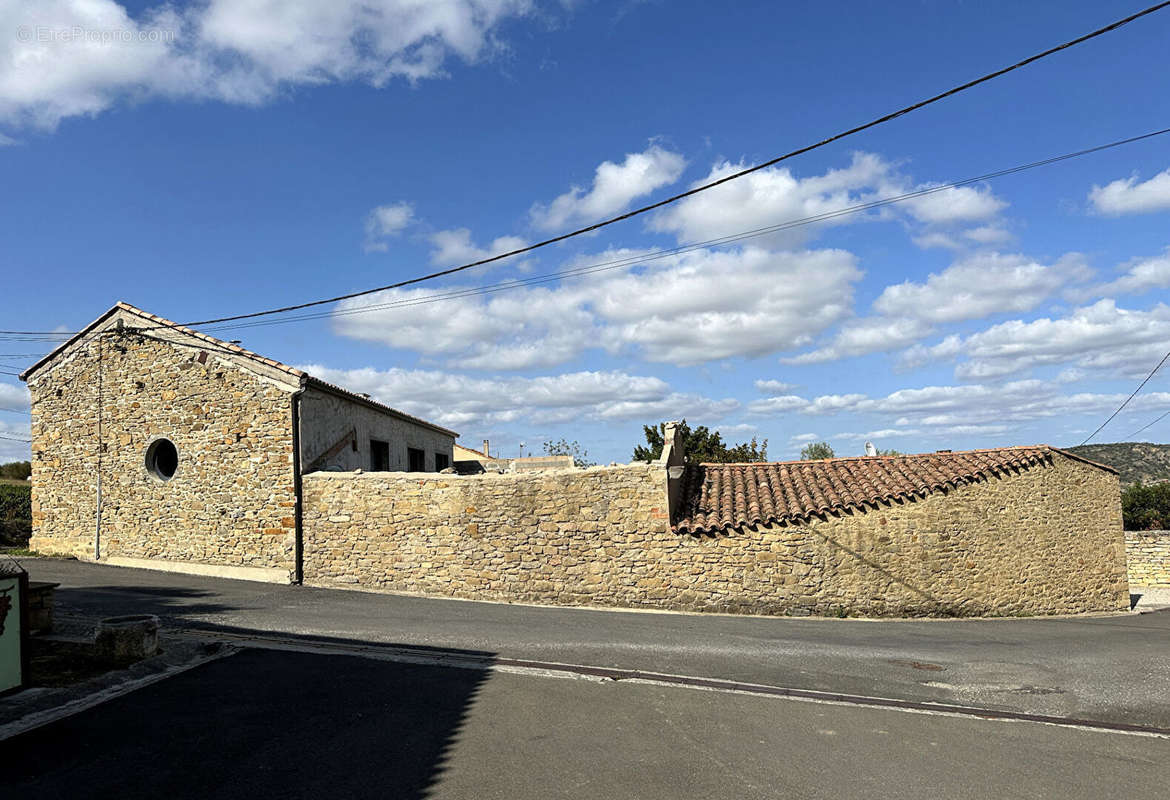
(719,496)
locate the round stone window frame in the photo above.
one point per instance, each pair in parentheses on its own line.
(151,460)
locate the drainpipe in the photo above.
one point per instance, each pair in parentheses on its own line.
(298,531)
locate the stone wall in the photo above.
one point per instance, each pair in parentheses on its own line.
(1045,540)
(1148,555)
(231,499)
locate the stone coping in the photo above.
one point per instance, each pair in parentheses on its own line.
(527,475)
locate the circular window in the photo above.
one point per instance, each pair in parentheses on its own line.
(162,459)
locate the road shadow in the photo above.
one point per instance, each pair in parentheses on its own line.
(120,599)
(262,723)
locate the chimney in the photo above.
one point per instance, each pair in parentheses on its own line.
(486,452)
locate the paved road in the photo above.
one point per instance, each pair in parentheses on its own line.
(1103,668)
(292,725)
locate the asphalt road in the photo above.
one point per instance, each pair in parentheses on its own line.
(281,724)
(1114,669)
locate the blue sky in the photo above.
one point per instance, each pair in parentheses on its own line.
(221,158)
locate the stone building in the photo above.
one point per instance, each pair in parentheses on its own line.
(155,445)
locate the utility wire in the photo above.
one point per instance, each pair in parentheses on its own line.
(14,439)
(710,185)
(654,255)
(1131,397)
(1149,425)
(15,410)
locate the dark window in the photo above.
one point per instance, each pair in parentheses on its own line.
(441,461)
(416,460)
(379,456)
(162,459)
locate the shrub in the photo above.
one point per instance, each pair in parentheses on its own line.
(1146,508)
(15,515)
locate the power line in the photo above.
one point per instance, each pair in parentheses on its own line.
(15,410)
(14,439)
(696,190)
(1149,425)
(1131,397)
(654,255)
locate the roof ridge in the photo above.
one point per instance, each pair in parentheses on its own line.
(872,458)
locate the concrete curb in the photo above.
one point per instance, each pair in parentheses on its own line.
(38,719)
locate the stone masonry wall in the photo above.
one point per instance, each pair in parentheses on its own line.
(1148,554)
(231,499)
(1045,540)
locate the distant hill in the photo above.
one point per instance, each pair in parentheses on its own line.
(1136,461)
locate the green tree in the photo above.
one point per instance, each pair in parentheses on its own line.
(15,514)
(566,448)
(700,445)
(890,452)
(814,451)
(16,470)
(1145,508)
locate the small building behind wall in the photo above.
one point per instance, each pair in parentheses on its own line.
(154,445)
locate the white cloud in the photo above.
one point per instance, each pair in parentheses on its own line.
(834,403)
(871,335)
(802,438)
(519,329)
(976,409)
(1099,337)
(687,309)
(777,405)
(988,234)
(876,436)
(13,396)
(771,196)
(460,400)
(976,286)
(774,386)
(919,354)
(955,204)
(614,186)
(710,305)
(455,246)
(12,425)
(385,221)
(980,285)
(1127,196)
(238,51)
(1140,276)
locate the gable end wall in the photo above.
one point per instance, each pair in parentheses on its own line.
(326,417)
(231,501)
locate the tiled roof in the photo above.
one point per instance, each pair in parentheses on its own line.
(715,497)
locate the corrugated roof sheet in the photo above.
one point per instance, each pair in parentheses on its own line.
(716,497)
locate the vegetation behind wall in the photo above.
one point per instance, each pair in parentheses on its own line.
(15,515)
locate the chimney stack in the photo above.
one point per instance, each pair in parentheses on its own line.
(486,452)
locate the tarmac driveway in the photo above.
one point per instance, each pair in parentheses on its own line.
(267,723)
(1107,668)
